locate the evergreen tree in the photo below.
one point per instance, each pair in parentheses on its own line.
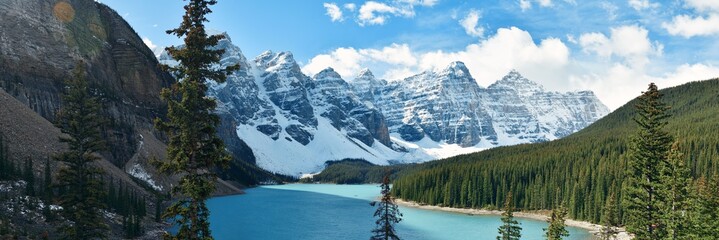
(387,214)
(158,208)
(557,230)
(47,182)
(80,121)
(644,200)
(510,229)
(610,220)
(705,210)
(7,168)
(676,182)
(194,150)
(29,178)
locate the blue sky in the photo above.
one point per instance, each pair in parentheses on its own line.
(613,47)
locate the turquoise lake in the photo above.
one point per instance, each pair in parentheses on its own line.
(326,211)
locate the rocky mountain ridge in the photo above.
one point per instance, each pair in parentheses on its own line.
(292,123)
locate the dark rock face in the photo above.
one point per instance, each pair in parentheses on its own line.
(411,133)
(346,111)
(298,133)
(41,42)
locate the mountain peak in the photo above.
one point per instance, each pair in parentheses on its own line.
(365,73)
(327,73)
(457,68)
(212,32)
(269,59)
(515,80)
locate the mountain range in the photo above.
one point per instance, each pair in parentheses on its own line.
(292,123)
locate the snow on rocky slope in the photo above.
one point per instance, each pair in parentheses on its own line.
(294,123)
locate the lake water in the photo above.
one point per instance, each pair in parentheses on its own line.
(326,211)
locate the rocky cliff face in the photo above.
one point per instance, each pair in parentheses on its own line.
(291,123)
(42,40)
(449,107)
(287,122)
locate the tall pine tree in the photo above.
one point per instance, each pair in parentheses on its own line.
(676,181)
(194,150)
(644,199)
(29,178)
(80,121)
(557,229)
(609,220)
(510,229)
(387,214)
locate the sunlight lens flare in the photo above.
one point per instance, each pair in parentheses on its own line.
(64,12)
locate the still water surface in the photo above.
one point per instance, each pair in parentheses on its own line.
(327,211)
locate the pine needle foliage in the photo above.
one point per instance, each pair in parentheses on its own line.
(510,229)
(194,150)
(644,201)
(80,121)
(387,214)
(677,188)
(610,220)
(557,229)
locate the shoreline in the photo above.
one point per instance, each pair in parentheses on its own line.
(534,215)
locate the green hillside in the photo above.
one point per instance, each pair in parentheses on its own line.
(580,170)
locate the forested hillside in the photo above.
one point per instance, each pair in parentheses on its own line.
(581,170)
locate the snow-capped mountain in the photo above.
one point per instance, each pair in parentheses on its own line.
(294,123)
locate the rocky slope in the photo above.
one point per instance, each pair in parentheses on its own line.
(41,41)
(120,67)
(291,123)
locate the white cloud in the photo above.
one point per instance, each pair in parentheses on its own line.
(545,3)
(333,11)
(377,13)
(630,43)
(525,5)
(155,49)
(489,60)
(349,61)
(688,26)
(616,84)
(642,4)
(704,22)
(350,7)
(470,22)
(704,5)
(611,9)
(426,3)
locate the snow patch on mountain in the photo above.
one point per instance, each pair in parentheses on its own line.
(139,172)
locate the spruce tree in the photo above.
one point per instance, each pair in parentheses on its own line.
(557,230)
(47,182)
(676,182)
(79,119)
(47,193)
(704,209)
(194,150)
(644,199)
(5,164)
(29,177)
(609,220)
(510,229)
(387,214)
